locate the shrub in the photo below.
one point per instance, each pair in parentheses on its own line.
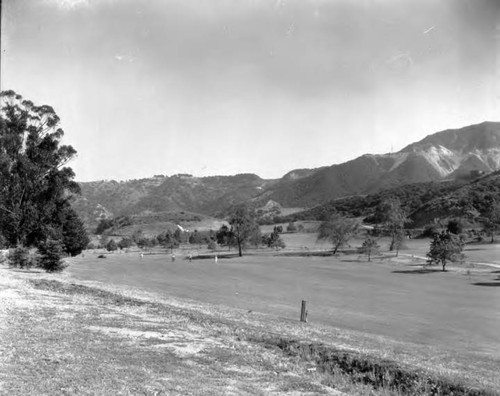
(125,243)
(455,226)
(212,245)
(51,253)
(370,247)
(291,227)
(3,242)
(19,257)
(111,246)
(429,231)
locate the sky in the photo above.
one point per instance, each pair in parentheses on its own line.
(221,87)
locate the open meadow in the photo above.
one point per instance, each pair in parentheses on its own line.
(151,325)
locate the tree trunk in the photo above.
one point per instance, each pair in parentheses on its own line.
(443,263)
(239,249)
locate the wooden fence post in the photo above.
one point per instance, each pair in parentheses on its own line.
(303,311)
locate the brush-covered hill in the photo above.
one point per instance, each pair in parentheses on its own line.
(411,196)
(166,195)
(468,201)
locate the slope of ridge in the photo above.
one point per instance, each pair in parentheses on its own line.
(481,136)
(467,202)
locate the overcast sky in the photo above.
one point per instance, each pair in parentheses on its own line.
(213,87)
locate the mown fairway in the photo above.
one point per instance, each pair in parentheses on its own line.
(395,300)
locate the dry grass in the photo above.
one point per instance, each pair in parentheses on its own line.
(62,339)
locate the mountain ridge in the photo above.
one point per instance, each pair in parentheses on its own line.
(444,155)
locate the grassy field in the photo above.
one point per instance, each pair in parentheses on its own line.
(216,321)
(390,298)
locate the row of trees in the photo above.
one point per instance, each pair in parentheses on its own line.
(36,186)
(167,239)
(390,215)
(446,246)
(242,230)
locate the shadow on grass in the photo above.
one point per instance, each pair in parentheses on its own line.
(487,283)
(212,256)
(417,271)
(307,254)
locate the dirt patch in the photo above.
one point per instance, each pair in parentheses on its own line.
(180,342)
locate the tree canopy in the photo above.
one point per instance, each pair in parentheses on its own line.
(338,230)
(35,184)
(243,226)
(445,247)
(394,217)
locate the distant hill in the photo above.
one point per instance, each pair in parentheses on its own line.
(180,193)
(447,155)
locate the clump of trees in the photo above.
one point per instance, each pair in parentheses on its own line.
(393,218)
(338,230)
(35,185)
(445,247)
(225,237)
(273,240)
(125,243)
(491,220)
(108,223)
(243,230)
